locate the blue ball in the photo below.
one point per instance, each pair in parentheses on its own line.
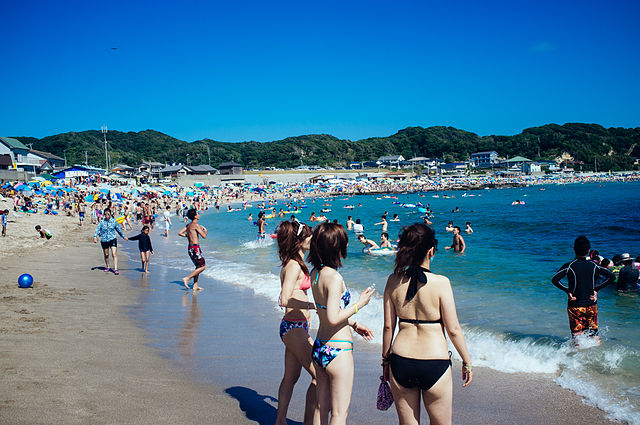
(25,280)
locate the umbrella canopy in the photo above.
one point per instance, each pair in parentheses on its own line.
(47,177)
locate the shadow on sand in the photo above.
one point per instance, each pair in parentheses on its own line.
(255,406)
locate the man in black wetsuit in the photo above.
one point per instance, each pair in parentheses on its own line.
(582,276)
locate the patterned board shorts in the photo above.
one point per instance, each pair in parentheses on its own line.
(583,319)
(196,255)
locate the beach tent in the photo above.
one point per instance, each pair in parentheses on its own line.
(47,177)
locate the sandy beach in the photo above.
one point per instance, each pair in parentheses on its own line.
(72,352)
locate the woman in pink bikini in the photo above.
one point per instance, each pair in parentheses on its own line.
(293,241)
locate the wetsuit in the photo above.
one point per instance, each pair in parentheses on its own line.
(144,242)
(583,280)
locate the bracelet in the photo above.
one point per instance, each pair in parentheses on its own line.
(467,367)
(356,309)
(354,325)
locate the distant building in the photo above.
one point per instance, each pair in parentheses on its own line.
(531,168)
(78,171)
(54,160)
(453,167)
(425,162)
(390,160)
(19,154)
(202,170)
(484,159)
(123,169)
(175,171)
(150,167)
(230,168)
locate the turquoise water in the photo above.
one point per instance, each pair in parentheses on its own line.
(514,318)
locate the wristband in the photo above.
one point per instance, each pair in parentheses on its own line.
(356,309)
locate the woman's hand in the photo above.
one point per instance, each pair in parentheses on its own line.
(365,296)
(467,374)
(363,331)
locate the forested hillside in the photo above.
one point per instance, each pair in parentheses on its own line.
(612,148)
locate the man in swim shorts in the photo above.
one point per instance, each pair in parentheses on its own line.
(458,244)
(582,277)
(192,232)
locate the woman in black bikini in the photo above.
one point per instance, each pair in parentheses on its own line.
(417,361)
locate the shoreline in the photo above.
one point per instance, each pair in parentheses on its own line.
(73,344)
(219,355)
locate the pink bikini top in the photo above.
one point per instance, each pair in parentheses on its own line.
(306,283)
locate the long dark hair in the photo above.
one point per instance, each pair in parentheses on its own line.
(291,235)
(328,245)
(415,241)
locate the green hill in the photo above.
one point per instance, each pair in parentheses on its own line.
(612,148)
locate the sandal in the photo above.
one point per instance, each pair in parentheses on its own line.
(115,271)
(107,270)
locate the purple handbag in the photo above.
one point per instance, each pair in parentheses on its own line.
(385,398)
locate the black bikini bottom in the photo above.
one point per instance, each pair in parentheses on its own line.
(411,373)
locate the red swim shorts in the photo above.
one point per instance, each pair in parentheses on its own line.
(583,319)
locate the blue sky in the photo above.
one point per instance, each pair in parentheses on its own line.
(235,71)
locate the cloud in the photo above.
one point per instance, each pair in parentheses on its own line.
(542,47)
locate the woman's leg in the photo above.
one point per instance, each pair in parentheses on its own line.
(147,255)
(114,251)
(407,401)
(142,259)
(438,400)
(106,257)
(292,370)
(340,372)
(324,394)
(297,341)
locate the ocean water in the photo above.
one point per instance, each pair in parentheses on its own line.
(514,319)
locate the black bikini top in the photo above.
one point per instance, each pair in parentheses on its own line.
(417,275)
(420,322)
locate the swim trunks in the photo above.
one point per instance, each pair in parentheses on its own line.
(583,319)
(196,255)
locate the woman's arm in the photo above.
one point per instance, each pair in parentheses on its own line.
(335,315)
(454,330)
(289,278)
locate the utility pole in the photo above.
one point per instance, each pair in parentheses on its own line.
(65,158)
(106,156)
(86,159)
(208,153)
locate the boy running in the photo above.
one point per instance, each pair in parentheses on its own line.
(192,232)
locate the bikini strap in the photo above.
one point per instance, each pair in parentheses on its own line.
(318,274)
(335,340)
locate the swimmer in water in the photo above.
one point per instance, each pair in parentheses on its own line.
(384,223)
(368,243)
(384,241)
(458,244)
(469,230)
(449,227)
(350,223)
(395,218)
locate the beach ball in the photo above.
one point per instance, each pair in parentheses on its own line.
(25,280)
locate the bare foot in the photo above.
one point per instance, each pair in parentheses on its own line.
(186,282)
(197,288)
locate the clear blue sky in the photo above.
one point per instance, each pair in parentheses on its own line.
(265,70)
